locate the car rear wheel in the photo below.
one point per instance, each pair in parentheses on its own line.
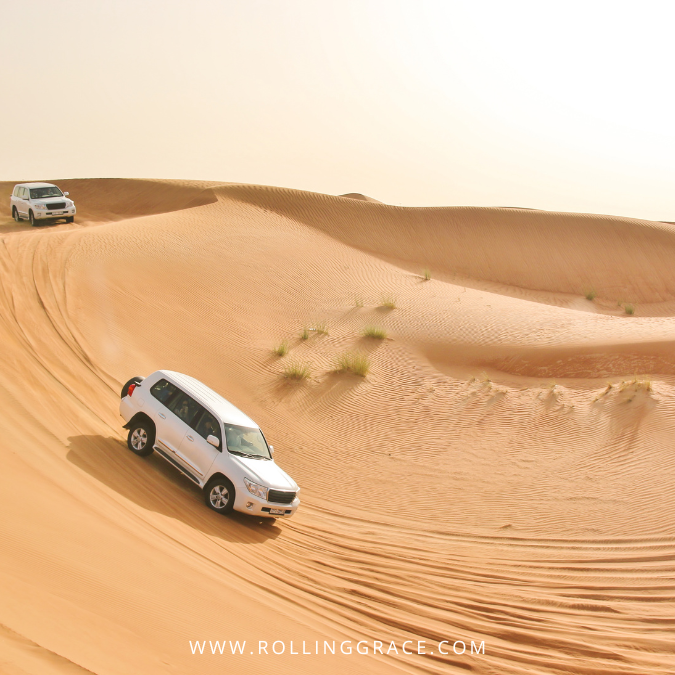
(219,495)
(31,218)
(125,388)
(141,438)
(15,215)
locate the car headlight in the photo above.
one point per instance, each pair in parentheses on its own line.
(40,206)
(255,489)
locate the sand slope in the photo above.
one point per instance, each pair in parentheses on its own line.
(478,484)
(363,198)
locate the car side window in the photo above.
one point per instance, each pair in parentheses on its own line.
(207,425)
(185,408)
(164,391)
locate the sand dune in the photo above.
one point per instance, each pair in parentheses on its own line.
(483,482)
(363,198)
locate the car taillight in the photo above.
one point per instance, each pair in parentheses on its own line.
(130,390)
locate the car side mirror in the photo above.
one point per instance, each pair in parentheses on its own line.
(213,441)
(272,450)
(65,194)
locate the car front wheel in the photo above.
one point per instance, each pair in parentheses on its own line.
(31,218)
(141,438)
(219,495)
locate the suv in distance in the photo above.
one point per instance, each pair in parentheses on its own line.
(40,201)
(210,441)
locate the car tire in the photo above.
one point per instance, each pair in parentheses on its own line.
(31,218)
(219,494)
(141,438)
(133,380)
(15,215)
(70,219)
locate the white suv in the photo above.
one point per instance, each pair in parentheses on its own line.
(209,440)
(40,201)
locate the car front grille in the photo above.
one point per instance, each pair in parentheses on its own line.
(280,496)
(56,206)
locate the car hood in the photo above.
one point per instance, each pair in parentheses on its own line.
(265,472)
(51,200)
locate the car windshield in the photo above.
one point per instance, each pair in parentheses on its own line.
(246,441)
(41,193)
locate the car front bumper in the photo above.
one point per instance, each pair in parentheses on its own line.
(247,503)
(63,213)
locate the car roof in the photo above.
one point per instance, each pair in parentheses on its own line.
(223,409)
(35,185)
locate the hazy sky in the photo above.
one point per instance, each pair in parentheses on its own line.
(554,105)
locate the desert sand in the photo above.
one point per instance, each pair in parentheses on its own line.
(483,482)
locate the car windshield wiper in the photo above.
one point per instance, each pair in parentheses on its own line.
(244,454)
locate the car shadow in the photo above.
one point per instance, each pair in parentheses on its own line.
(154,485)
(9,225)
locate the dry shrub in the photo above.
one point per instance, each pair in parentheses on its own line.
(281,349)
(375,332)
(353,362)
(296,371)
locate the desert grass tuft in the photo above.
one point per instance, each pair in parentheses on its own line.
(485,381)
(281,349)
(426,274)
(388,300)
(629,309)
(358,301)
(305,334)
(644,385)
(374,332)
(553,390)
(637,384)
(321,328)
(590,294)
(604,392)
(296,371)
(353,362)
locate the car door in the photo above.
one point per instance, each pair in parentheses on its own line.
(194,446)
(162,393)
(182,411)
(22,203)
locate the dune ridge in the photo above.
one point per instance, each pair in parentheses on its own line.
(620,258)
(482,483)
(363,198)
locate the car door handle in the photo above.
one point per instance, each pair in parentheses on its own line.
(189,438)
(162,415)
